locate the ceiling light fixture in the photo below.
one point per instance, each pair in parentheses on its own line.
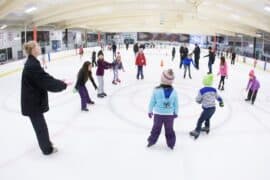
(31,9)
(3,26)
(267,8)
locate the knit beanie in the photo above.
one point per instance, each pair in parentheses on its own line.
(100,52)
(208,80)
(167,77)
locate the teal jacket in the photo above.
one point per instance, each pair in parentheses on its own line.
(164,101)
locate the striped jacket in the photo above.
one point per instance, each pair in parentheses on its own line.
(207,97)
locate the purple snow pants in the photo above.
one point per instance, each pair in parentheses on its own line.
(159,120)
(84,96)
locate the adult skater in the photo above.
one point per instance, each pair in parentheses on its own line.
(43,59)
(183,54)
(127,45)
(140,62)
(211,59)
(197,52)
(252,87)
(94,62)
(136,48)
(206,96)
(84,74)
(114,47)
(233,58)
(164,106)
(35,85)
(173,53)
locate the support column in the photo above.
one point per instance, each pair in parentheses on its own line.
(35,33)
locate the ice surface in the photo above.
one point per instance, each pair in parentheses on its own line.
(109,141)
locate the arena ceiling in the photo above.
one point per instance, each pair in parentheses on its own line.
(228,17)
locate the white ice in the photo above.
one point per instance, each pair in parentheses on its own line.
(109,141)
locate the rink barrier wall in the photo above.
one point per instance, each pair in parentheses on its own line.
(8,69)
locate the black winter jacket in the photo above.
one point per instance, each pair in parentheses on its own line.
(35,85)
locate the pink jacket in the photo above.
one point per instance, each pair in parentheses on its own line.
(223,70)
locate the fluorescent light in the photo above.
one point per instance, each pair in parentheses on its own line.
(235,16)
(267,8)
(3,26)
(31,9)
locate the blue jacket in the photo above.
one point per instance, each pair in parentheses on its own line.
(164,101)
(187,61)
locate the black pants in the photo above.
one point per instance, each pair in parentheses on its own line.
(181,61)
(233,61)
(114,54)
(205,117)
(42,133)
(94,62)
(221,82)
(210,68)
(252,95)
(197,62)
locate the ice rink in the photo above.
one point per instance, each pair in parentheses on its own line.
(109,142)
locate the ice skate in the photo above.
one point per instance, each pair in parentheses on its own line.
(114,82)
(205,129)
(85,109)
(195,134)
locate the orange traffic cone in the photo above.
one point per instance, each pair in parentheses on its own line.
(161,63)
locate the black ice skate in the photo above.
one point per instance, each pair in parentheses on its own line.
(195,134)
(100,96)
(85,109)
(104,94)
(205,129)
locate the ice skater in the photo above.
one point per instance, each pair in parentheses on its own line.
(211,60)
(83,75)
(187,62)
(94,62)
(164,106)
(252,87)
(233,58)
(81,51)
(197,52)
(173,53)
(206,96)
(140,62)
(223,72)
(117,65)
(101,66)
(35,85)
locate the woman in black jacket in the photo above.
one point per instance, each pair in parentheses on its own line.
(35,85)
(83,75)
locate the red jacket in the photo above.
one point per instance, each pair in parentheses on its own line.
(140,59)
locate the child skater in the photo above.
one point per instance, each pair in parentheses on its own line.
(252,87)
(81,51)
(94,62)
(83,75)
(187,61)
(101,66)
(164,106)
(140,62)
(207,96)
(117,65)
(223,72)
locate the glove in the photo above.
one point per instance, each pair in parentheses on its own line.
(67,82)
(150,115)
(221,104)
(175,116)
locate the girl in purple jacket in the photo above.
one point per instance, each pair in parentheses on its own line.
(223,72)
(101,66)
(252,87)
